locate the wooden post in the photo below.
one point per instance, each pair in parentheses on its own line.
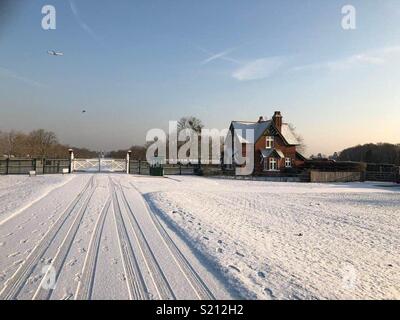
(7,164)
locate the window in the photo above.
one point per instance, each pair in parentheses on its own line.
(273,164)
(288,162)
(269,142)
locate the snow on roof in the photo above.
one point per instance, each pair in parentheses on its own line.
(259,128)
(288,134)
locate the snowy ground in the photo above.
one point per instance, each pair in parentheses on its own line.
(108,236)
(289,240)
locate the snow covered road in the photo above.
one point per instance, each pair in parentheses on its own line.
(94,237)
(115,236)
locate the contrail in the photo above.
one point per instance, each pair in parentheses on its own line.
(82,24)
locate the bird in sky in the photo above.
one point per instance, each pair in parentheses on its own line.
(55,53)
(83,111)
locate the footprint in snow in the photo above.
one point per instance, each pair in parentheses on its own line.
(240,254)
(269,292)
(234,268)
(219,241)
(261,274)
(34,279)
(72,262)
(206,238)
(219,250)
(12,255)
(2,244)
(105,248)
(67,296)
(18,262)
(46,260)
(114,261)
(82,250)
(23,241)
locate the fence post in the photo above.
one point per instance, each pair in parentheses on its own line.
(7,164)
(128,159)
(180,169)
(139,166)
(71,161)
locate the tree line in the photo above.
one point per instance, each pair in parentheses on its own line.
(382,153)
(37,144)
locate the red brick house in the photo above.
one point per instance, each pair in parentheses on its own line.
(275,145)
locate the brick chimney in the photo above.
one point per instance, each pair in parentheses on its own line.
(261,119)
(277,118)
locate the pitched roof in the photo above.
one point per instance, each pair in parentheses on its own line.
(259,128)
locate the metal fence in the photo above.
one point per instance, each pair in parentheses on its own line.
(17,166)
(24,166)
(56,166)
(142,167)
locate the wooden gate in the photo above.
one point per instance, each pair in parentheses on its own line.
(99,165)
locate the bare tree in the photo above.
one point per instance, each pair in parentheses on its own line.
(41,141)
(194,124)
(302,147)
(190,122)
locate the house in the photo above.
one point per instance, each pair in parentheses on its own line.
(275,144)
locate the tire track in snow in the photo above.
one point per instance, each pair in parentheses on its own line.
(14,285)
(136,285)
(85,285)
(161,284)
(198,285)
(62,252)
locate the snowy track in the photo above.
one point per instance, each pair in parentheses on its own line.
(100,241)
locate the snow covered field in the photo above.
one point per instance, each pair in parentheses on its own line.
(289,240)
(110,236)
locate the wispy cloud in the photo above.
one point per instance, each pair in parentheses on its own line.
(82,23)
(376,57)
(11,74)
(258,69)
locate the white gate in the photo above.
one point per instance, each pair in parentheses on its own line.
(112,165)
(99,165)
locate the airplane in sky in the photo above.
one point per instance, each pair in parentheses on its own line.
(55,53)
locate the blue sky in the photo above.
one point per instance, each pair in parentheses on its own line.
(134,65)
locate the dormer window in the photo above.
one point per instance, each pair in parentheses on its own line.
(269,142)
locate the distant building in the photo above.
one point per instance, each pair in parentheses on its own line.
(275,144)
